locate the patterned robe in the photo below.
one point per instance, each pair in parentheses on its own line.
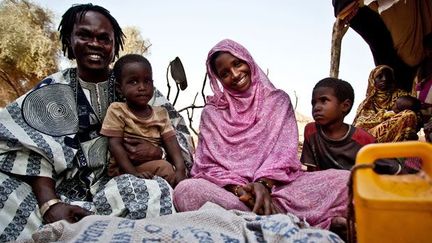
(370,113)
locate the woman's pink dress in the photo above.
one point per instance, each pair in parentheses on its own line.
(251,135)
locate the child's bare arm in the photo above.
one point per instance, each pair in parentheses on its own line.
(174,151)
(120,155)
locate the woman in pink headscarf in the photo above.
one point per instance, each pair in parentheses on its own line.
(246,157)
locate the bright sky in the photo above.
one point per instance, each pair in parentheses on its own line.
(292,39)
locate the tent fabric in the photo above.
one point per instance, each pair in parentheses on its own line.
(382,4)
(408,22)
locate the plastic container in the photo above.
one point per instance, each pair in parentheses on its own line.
(393,208)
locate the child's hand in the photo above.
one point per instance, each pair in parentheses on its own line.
(144,175)
(180,175)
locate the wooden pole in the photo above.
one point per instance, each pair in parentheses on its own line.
(339,30)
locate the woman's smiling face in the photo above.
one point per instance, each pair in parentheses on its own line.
(234,73)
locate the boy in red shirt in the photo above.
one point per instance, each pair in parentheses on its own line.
(329,142)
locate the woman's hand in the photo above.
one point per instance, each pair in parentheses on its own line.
(262,201)
(256,196)
(246,197)
(140,150)
(61,210)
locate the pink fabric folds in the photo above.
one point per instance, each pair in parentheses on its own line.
(246,136)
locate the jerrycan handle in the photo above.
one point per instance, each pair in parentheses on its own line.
(369,153)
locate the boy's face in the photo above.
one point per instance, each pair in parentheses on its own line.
(136,84)
(326,108)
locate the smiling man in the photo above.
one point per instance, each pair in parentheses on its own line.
(53,159)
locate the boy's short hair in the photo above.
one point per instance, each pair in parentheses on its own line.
(342,89)
(414,102)
(129,58)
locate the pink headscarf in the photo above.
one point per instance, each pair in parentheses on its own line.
(249,135)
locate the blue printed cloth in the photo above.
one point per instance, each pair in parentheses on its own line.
(211,223)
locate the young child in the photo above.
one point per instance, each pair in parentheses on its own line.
(402,103)
(135,118)
(329,142)
(406,102)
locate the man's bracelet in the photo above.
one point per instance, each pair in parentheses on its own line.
(266,185)
(47,205)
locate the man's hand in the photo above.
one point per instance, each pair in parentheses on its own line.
(140,150)
(44,190)
(66,211)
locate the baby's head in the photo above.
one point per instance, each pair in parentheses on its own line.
(134,79)
(406,102)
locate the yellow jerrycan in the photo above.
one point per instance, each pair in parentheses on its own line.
(393,208)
